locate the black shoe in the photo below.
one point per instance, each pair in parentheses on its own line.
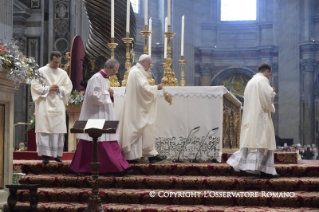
(264,175)
(57,159)
(243,173)
(124,173)
(45,160)
(80,174)
(132,161)
(77,173)
(157,158)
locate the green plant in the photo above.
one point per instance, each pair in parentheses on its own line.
(31,125)
(76,97)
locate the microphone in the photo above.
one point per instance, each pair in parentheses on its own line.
(178,160)
(195,160)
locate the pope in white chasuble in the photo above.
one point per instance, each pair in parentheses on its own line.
(137,123)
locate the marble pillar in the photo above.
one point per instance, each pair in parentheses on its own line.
(6,20)
(206,70)
(7,90)
(307,131)
(288,68)
(177,12)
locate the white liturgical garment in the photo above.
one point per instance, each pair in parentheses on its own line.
(139,111)
(97,104)
(49,105)
(257,130)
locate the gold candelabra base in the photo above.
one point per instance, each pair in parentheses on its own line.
(169,75)
(128,63)
(146,33)
(182,63)
(113,79)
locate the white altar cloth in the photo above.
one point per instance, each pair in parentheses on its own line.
(192,106)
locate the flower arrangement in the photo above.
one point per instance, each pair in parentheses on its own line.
(76,97)
(31,125)
(20,67)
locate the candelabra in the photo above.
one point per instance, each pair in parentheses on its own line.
(128,63)
(182,63)
(169,75)
(113,79)
(146,33)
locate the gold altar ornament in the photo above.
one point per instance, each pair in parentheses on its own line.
(182,63)
(169,75)
(128,63)
(113,79)
(168,97)
(146,33)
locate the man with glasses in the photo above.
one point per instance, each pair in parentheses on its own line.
(137,123)
(50,101)
(98,104)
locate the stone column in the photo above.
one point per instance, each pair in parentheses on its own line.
(206,74)
(6,21)
(308,67)
(317,119)
(288,67)
(189,51)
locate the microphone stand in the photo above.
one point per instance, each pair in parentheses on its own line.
(178,160)
(195,160)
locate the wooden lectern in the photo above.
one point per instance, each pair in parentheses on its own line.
(109,127)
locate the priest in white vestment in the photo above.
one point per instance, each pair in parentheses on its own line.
(257,138)
(50,101)
(98,104)
(137,123)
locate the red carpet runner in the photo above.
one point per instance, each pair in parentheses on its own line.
(168,186)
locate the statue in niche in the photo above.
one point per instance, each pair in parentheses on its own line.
(61,11)
(67,66)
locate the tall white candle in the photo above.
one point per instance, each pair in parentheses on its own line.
(165,40)
(128,10)
(182,39)
(150,38)
(169,12)
(112,19)
(145,12)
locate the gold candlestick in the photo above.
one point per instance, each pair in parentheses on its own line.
(146,33)
(128,63)
(113,79)
(182,63)
(169,75)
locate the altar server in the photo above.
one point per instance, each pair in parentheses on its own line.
(98,104)
(257,138)
(50,101)
(137,123)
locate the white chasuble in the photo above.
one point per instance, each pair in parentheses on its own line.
(257,130)
(97,104)
(139,111)
(49,105)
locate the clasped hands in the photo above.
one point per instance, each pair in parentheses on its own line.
(54,88)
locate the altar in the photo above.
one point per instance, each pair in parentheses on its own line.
(207,107)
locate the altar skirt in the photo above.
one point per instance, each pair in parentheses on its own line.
(253,162)
(109,155)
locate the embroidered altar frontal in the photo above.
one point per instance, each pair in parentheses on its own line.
(208,107)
